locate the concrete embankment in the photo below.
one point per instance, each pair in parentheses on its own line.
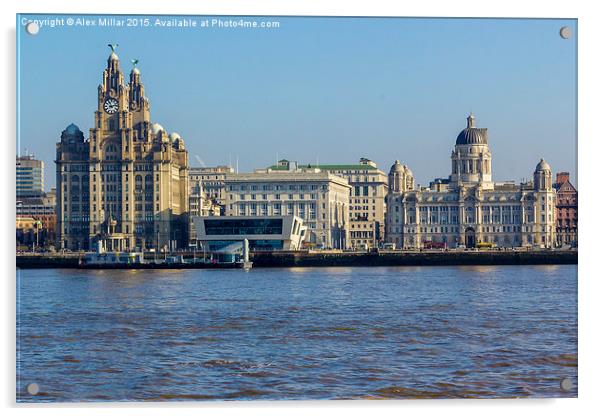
(334,259)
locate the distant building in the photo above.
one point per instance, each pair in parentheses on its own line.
(28,232)
(566,210)
(211,179)
(126,187)
(200,205)
(41,212)
(282,232)
(30,176)
(367,205)
(319,198)
(468,208)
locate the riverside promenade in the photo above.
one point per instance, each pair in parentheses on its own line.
(347,259)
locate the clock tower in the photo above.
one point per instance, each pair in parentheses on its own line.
(136,193)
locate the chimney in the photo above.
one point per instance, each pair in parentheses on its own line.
(562,177)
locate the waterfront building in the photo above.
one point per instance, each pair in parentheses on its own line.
(468,208)
(279,232)
(319,198)
(41,212)
(30,176)
(28,230)
(367,205)
(200,204)
(566,210)
(211,179)
(126,186)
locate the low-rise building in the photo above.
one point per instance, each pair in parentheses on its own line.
(283,232)
(41,212)
(566,210)
(319,198)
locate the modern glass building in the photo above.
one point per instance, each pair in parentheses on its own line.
(263,233)
(30,176)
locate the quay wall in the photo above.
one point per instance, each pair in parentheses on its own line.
(353,259)
(431,258)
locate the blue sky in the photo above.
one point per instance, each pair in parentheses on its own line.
(321,89)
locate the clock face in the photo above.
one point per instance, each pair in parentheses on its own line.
(111,106)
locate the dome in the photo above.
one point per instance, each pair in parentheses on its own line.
(408,171)
(72,129)
(397,167)
(174,136)
(542,165)
(113,57)
(72,133)
(471,134)
(136,71)
(156,128)
(178,143)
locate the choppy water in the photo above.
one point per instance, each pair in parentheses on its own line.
(424,332)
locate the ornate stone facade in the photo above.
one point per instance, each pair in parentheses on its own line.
(566,211)
(127,185)
(468,208)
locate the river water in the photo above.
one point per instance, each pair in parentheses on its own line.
(300,333)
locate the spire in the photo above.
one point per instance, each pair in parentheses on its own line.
(471,120)
(135,69)
(113,56)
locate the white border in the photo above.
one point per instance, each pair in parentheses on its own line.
(589,150)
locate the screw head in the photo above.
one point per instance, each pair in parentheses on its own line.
(33,388)
(566,384)
(565,32)
(32,28)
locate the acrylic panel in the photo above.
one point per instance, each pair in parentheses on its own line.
(295,208)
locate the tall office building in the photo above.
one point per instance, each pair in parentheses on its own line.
(126,187)
(30,176)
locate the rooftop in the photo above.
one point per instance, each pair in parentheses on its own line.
(326,167)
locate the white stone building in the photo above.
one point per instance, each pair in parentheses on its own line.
(369,189)
(469,208)
(319,198)
(211,180)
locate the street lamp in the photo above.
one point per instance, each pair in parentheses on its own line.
(36,226)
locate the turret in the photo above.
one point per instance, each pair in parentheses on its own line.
(542,177)
(138,103)
(400,178)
